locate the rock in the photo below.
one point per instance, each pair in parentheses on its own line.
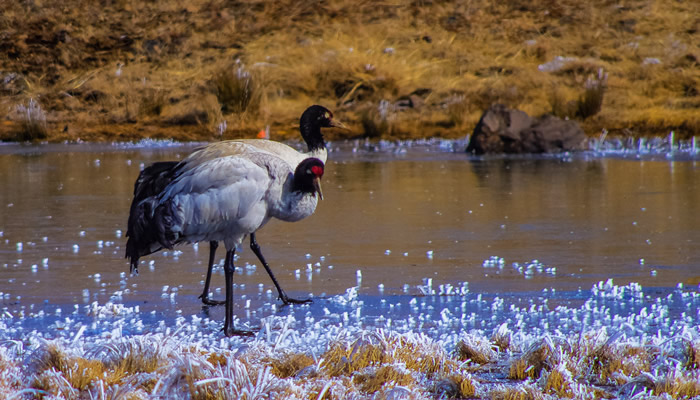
(504,130)
(498,127)
(551,134)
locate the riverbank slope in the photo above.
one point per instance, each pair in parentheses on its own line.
(213,69)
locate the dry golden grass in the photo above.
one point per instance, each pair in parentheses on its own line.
(126,70)
(371,381)
(343,360)
(611,362)
(290,364)
(679,386)
(475,349)
(80,374)
(372,364)
(559,383)
(346,358)
(456,386)
(502,337)
(531,363)
(522,392)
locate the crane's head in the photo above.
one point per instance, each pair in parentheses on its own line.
(312,120)
(324,117)
(307,176)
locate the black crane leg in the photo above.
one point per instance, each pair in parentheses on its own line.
(229,268)
(213,245)
(282,295)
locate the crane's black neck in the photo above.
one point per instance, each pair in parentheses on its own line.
(310,127)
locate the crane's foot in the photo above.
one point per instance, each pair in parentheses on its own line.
(237,332)
(286,300)
(207,301)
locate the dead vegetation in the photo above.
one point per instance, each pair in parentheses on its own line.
(128,70)
(363,364)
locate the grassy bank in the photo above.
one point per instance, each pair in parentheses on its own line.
(363,365)
(210,69)
(347,361)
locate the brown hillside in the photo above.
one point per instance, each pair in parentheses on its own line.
(124,69)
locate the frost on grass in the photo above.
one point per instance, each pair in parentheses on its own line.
(32,121)
(354,364)
(331,357)
(11,376)
(476,349)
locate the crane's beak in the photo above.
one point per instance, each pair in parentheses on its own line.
(338,124)
(317,186)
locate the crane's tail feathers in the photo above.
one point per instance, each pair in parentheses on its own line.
(142,233)
(154,178)
(143,230)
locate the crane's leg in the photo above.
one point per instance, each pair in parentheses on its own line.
(228,321)
(134,266)
(283,296)
(205,294)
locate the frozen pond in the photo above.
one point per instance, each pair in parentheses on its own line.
(425,234)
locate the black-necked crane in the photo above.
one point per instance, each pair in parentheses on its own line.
(216,197)
(156,177)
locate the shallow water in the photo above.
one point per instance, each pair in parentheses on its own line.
(405,224)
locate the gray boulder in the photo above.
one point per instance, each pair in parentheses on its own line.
(504,130)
